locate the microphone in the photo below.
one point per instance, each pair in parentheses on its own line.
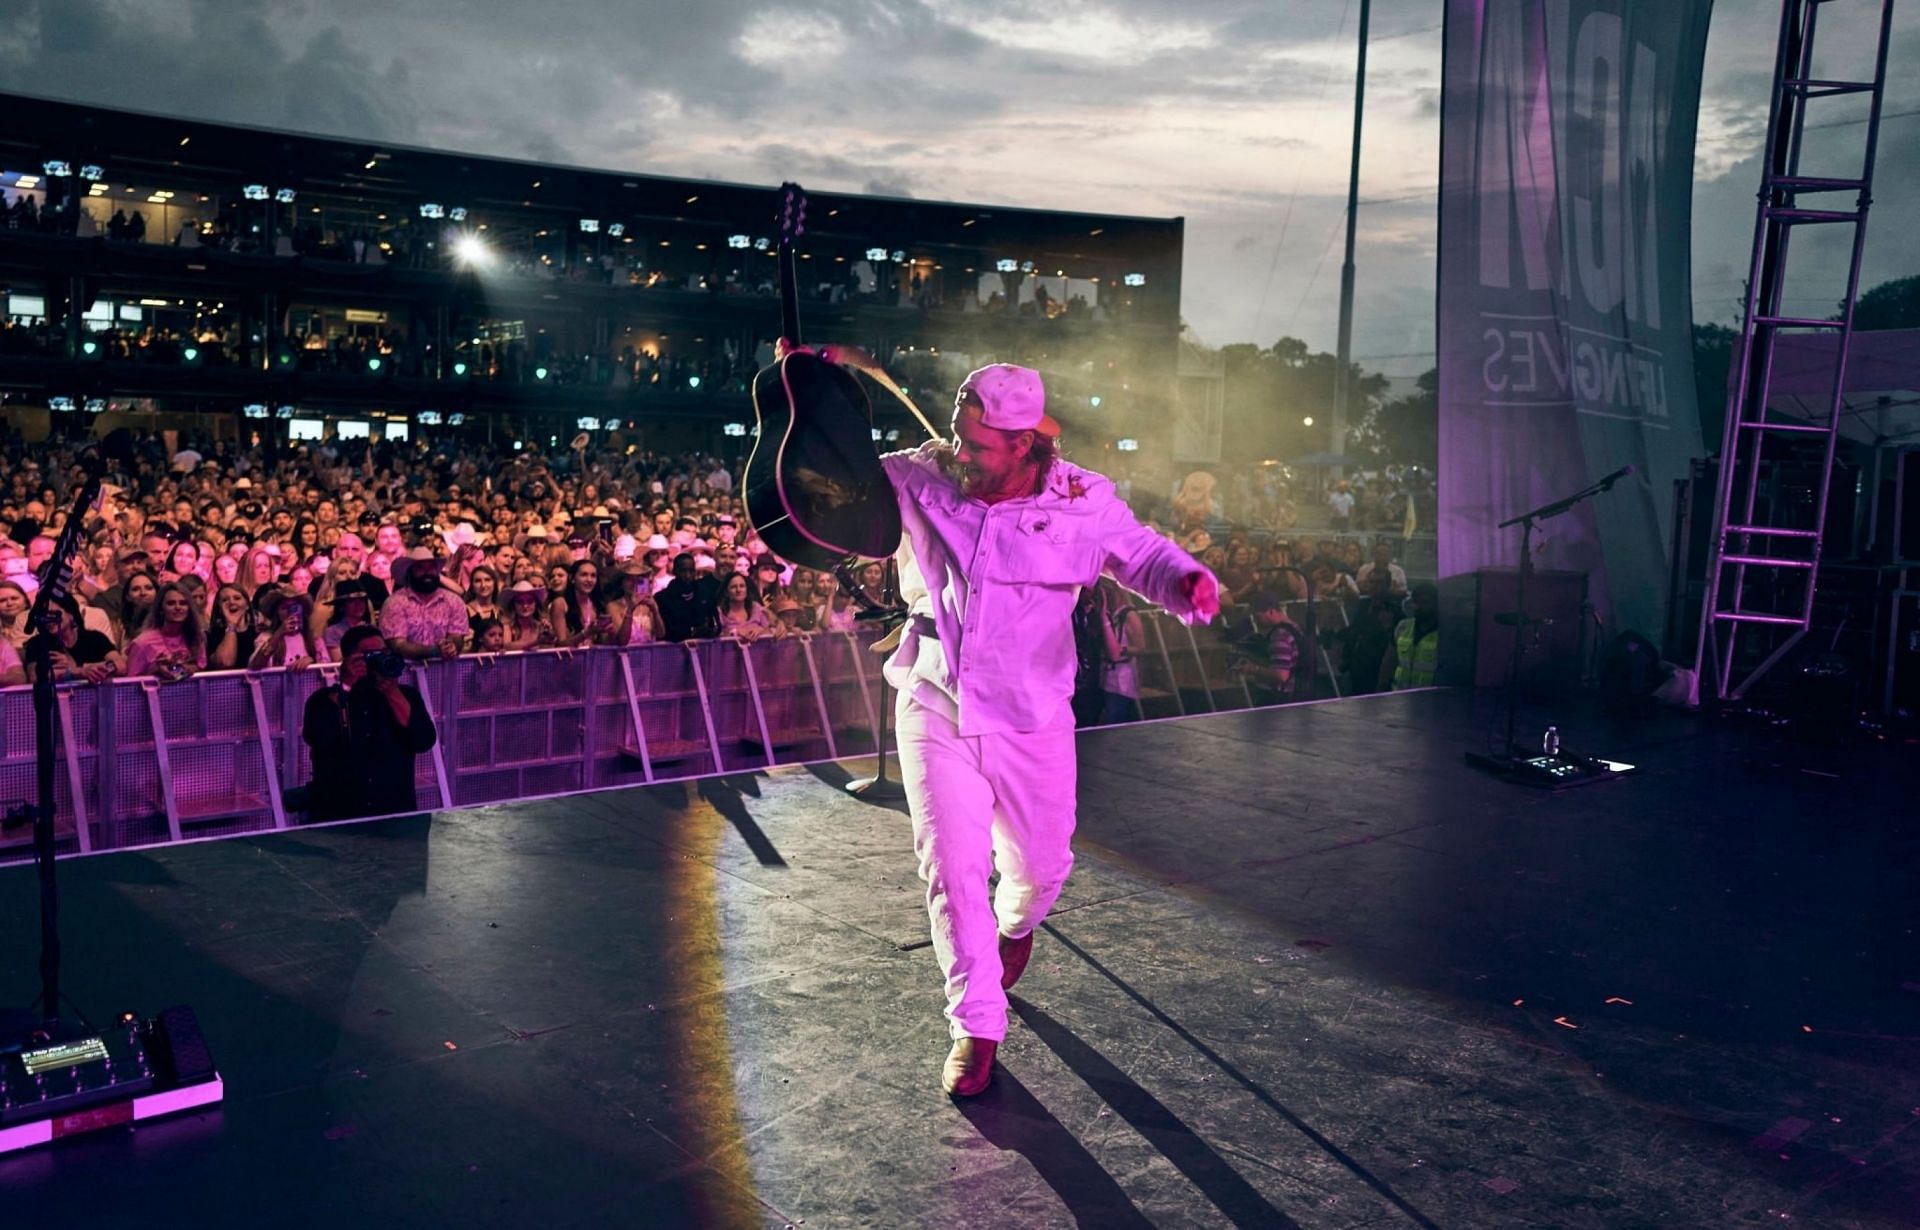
(1625,471)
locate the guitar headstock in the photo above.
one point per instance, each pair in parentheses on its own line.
(793,213)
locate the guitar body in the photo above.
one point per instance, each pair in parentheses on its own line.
(813,486)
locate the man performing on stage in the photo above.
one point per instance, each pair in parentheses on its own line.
(1001,535)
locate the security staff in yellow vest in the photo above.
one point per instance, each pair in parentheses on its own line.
(1414,655)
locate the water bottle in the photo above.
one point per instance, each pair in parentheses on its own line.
(1550,742)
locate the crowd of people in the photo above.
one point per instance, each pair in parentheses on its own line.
(204,555)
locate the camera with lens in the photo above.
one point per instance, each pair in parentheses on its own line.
(387,663)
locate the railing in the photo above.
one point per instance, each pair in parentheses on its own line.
(220,754)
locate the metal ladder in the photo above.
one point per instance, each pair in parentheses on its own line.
(1762,571)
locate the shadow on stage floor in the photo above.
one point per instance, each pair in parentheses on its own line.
(1311,970)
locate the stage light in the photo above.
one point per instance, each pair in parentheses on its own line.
(617,229)
(762,244)
(457,214)
(589,226)
(693,382)
(1026,266)
(284,196)
(60,405)
(92,173)
(1135,279)
(539,373)
(877,437)
(613,424)
(373,364)
(428,418)
(739,241)
(1006,264)
(89,347)
(899,255)
(284,412)
(1127,446)
(96,405)
(459,369)
(587,424)
(57,167)
(734,429)
(876,254)
(254,410)
(473,251)
(25,182)
(1094,401)
(455,420)
(1307,422)
(254,192)
(191,354)
(431,210)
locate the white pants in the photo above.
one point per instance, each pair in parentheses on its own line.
(1004,800)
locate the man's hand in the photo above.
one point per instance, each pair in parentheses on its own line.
(1202,593)
(97,672)
(450,648)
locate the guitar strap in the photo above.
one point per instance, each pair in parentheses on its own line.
(856,359)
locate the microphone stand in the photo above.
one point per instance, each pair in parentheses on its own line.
(889,614)
(56,578)
(1513,761)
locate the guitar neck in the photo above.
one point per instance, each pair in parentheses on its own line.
(789,294)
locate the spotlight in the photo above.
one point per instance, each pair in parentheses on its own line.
(456,419)
(1307,422)
(617,229)
(899,255)
(1135,279)
(89,347)
(471,250)
(1026,266)
(1094,401)
(739,241)
(693,382)
(284,412)
(876,254)
(734,429)
(62,405)
(428,418)
(191,354)
(459,369)
(254,192)
(539,373)
(1127,446)
(589,226)
(284,196)
(431,210)
(373,364)
(1006,264)
(92,173)
(255,410)
(762,244)
(587,424)
(57,167)
(457,214)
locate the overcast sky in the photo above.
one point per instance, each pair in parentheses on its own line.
(1232,113)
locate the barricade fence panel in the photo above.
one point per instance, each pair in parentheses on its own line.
(222,753)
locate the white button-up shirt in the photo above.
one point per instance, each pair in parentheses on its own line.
(1000,582)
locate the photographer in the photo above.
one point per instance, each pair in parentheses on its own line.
(364,733)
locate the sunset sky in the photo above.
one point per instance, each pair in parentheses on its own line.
(1230,113)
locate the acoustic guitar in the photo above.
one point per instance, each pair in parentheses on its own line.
(813,486)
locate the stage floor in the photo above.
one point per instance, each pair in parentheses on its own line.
(1310,971)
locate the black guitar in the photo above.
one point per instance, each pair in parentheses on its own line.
(813,486)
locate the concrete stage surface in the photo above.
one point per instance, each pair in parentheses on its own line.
(1311,970)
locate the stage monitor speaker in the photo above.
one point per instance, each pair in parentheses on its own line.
(1556,603)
